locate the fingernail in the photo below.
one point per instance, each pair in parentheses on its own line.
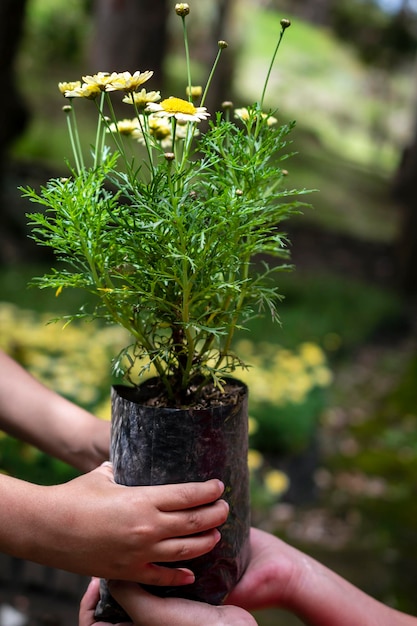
(189,577)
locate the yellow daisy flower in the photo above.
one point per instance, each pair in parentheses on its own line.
(159,128)
(125,81)
(182,110)
(142,98)
(125,127)
(243,115)
(101,79)
(84,91)
(63,87)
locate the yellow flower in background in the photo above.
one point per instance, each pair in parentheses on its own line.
(182,110)
(160,128)
(194,92)
(255,460)
(243,115)
(72,360)
(252,425)
(276,482)
(312,354)
(322,376)
(125,127)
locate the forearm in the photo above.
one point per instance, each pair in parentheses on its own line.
(38,415)
(322,598)
(21,503)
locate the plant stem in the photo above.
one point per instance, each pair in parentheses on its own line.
(187,56)
(72,133)
(98,143)
(270,67)
(210,77)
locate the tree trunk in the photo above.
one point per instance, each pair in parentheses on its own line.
(405,195)
(13,112)
(130,35)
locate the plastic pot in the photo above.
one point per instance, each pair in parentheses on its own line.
(158,445)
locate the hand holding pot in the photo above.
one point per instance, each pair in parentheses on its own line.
(93,526)
(149,610)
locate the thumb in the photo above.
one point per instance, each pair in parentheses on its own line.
(106,469)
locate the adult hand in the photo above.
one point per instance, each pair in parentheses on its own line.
(149,610)
(270,575)
(93,526)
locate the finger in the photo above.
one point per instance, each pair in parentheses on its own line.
(106,468)
(172,551)
(187,495)
(88,603)
(88,606)
(148,610)
(193,521)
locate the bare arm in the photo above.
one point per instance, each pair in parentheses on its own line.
(38,415)
(281,576)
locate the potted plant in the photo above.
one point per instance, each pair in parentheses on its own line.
(173,244)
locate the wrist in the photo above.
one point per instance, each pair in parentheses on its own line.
(23,508)
(80,439)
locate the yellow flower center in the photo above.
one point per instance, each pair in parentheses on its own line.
(177,105)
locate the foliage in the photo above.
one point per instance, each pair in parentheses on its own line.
(55,35)
(167,242)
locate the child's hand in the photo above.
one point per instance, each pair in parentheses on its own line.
(93,526)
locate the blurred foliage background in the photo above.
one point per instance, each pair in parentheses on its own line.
(334,393)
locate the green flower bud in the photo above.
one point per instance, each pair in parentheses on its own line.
(222,44)
(285,23)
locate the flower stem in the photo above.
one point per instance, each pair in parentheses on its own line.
(210,77)
(75,145)
(98,143)
(283,28)
(187,55)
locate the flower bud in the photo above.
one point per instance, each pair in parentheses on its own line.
(169,156)
(195,91)
(222,44)
(285,23)
(67,108)
(182,9)
(227,105)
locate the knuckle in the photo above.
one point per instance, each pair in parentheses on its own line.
(194,521)
(183,552)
